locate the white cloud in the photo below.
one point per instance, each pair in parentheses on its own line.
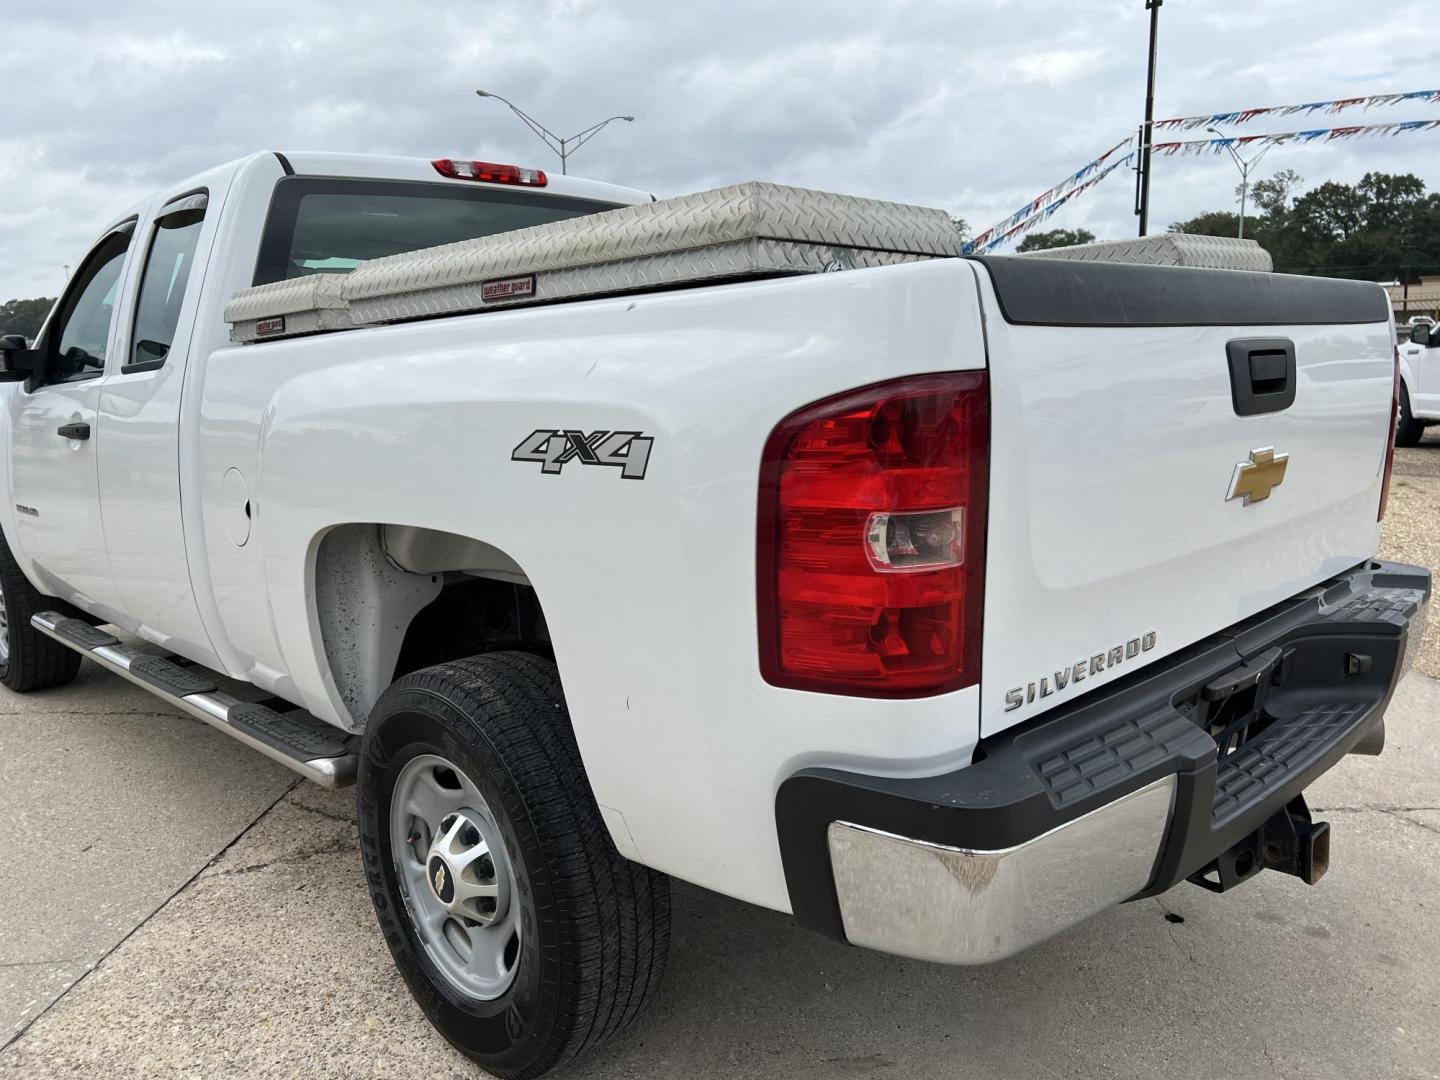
(1057,65)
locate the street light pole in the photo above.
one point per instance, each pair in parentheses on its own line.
(1244,167)
(564,147)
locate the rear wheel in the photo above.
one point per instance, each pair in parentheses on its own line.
(28,659)
(523,934)
(1408,430)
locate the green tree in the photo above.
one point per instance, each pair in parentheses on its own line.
(1210,223)
(24,317)
(1369,230)
(1332,213)
(1040,241)
(1272,195)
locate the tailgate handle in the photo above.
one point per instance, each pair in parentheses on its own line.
(1262,375)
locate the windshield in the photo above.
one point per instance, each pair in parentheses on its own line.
(327,226)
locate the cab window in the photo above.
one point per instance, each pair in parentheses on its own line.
(162,287)
(324,225)
(83,329)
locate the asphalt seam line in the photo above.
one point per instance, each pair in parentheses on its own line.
(145,921)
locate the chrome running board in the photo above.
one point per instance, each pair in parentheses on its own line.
(296,740)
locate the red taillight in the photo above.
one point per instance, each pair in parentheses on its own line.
(1390,439)
(489,172)
(872,539)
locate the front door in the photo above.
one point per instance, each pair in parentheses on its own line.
(53,424)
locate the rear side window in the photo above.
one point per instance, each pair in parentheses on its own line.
(162,289)
(323,225)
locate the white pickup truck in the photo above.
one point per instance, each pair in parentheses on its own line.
(1419,381)
(940,602)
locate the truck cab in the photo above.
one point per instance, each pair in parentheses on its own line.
(94,501)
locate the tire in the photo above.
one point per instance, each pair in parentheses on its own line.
(592,928)
(28,659)
(1408,430)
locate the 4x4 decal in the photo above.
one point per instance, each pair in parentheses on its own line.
(628,451)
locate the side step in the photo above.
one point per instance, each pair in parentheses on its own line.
(316,751)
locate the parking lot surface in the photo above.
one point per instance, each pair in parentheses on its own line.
(177,906)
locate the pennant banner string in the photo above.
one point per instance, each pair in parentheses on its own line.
(1043,206)
(1244,116)
(1082,177)
(1314,135)
(989,240)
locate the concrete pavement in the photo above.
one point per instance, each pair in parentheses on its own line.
(109,803)
(268,963)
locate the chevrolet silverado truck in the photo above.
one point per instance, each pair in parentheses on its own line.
(752,538)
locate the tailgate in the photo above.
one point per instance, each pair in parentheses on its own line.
(1116,439)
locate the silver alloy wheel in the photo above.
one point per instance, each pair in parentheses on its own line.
(457,880)
(4,631)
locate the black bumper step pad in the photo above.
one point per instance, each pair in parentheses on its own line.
(170,677)
(1102,758)
(291,735)
(82,633)
(1248,775)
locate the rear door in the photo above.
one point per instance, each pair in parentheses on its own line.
(1142,497)
(54,436)
(139,418)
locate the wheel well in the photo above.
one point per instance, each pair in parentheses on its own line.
(393,599)
(473,615)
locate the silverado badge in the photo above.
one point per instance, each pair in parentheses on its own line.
(1256,478)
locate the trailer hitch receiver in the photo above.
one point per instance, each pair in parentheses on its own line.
(1289,842)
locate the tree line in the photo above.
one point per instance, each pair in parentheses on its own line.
(24,316)
(1384,227)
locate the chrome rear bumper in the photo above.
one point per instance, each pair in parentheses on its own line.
(962,906)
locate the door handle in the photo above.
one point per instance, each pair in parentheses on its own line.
(74,431)
(1262,375)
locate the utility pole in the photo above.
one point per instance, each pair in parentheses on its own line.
(1147,131)
(564,147)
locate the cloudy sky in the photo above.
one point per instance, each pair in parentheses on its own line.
(972,105)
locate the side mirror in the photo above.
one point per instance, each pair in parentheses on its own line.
(1420,334)
(17,359)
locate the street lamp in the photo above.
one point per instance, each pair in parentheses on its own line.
(1244,167)
(563,147)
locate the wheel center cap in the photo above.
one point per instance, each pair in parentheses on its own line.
(442,881)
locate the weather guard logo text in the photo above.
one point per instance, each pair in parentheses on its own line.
(628,451)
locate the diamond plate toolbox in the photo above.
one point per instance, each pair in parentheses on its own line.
(747,230)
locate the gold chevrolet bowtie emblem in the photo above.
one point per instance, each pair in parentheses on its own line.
(440,880)
(1256,478)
